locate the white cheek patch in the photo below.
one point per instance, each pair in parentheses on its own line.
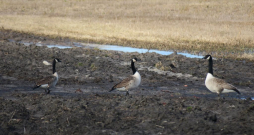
(208,57)
(133,60)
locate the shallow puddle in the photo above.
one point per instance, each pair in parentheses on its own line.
(132,49)
(243,98)
(59,46)
(111,48)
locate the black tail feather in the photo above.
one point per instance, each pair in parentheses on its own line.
(237,91)
(112,89)
(36,86)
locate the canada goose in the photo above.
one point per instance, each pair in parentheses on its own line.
(49,81)
(131,82)
(214,84)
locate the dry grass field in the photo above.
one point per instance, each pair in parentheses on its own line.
(193,25)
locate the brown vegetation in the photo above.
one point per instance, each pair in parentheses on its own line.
(197,25)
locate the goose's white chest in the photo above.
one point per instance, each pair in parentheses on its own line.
(137,80)
(210,84)
(53,84)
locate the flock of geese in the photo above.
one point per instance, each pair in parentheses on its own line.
(212,83)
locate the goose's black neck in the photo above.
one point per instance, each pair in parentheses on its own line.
(54,66)
(133,67)
(210,66)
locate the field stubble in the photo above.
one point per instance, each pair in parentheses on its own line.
(210,26)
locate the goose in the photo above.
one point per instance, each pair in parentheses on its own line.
(49,81)
(131,82)
(215,84)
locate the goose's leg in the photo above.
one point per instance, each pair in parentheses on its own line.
(219,98)
(127,93)
(48,91)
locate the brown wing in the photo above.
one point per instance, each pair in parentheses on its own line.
(123,83)
(46,80)
(224,85)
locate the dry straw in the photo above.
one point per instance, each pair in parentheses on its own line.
(196,25)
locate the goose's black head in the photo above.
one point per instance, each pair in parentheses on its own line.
(57,60)
(208,57)
(134,60)
(132,65)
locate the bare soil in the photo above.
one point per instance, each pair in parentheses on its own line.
(170,100)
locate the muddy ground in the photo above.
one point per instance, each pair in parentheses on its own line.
(169,100)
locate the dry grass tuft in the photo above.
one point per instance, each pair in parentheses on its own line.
(246,56)
(160,66)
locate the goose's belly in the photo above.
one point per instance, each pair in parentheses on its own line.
(44,86)
(211,86)
(136,82)
(53,84)
(121,89)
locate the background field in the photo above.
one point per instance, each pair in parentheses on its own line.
(193,25)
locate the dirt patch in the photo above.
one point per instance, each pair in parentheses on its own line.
(118,114)
(172,97)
